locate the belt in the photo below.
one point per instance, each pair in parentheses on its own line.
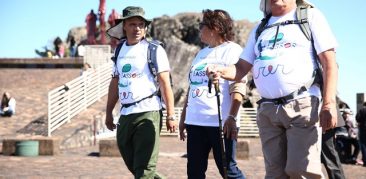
(284,99)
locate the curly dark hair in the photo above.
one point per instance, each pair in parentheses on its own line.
(221,21)
(5,100)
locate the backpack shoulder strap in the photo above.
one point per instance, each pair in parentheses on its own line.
(262,26)
(302,16)
(117,50)
(151,57)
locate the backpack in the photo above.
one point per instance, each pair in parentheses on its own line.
(152,64)
(302,21)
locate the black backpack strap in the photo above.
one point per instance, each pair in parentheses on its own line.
(117,50)
(131,104)
(115,56)
(262,26)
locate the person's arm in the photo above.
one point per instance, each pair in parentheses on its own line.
(182,125)
(328,112)
(111,103)
(167,94)
(233,72)
(237,91)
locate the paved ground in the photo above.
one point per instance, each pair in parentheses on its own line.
(30,86)
(83,163)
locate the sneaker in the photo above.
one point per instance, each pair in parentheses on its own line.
(359,162)
(350,161)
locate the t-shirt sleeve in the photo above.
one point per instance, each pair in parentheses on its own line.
(114,70)
(324,38)
(162,60)
(234,53)
(248,53)
(12,103)
(234,56)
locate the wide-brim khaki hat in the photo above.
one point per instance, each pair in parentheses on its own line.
(265,5)
(130,11)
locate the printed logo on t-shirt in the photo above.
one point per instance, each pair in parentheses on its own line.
(125,95)
(198,81)
(127,74)
(267,52)
(198,75)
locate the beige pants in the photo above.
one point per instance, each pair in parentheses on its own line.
(291,139)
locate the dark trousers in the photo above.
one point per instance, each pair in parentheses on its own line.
(6,113)
(348,149)
(329,156)
(200,140)
(363,144)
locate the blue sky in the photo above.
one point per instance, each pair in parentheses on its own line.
(31,24)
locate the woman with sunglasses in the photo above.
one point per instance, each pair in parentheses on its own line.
(200,115)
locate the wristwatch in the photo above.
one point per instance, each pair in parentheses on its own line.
(232,117)
(171,118)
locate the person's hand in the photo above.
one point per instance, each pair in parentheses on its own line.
(230,128)
(213,72)
(171,125)
(182,127)
(328,116)
(109,122)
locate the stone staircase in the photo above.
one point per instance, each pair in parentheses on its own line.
(81,130)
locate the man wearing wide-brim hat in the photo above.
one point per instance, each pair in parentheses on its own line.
(117,31)
(133,84)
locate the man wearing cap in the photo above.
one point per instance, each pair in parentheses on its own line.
(133,84)
(290,117)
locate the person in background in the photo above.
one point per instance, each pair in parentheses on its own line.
(101,13)
(329,155)
(361,120)
(72,47)
(200,112)
(7,105)
(112,22)
(133,84)
(91,27)
(351,140)
(59,48)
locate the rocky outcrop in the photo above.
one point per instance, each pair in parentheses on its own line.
(180,34)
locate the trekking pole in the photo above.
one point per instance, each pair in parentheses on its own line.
(222,141)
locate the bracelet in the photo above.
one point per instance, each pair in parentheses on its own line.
(232,117)
(170,118)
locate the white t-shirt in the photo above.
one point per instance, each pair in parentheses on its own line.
(285,67)
(11,105)
(202,107)
(135,79)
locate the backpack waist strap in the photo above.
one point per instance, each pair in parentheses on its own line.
(284,99)
(131,104)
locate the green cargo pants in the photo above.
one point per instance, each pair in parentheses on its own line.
(138,142)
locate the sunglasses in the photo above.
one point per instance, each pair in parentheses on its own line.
(201,24)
